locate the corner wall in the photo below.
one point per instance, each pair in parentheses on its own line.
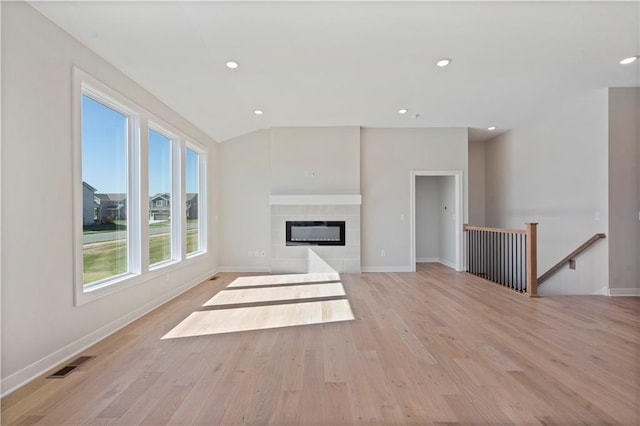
(624,191)
(245,215)
(40,325)
(476,184)
(554,171)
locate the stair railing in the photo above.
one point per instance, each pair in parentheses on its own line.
(506,256)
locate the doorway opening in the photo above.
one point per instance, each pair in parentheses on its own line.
(436,221)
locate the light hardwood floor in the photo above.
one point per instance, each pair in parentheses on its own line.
(435,346)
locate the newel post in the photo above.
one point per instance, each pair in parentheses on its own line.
(532,259)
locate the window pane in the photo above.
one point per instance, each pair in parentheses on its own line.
(193,188)
(159,198)
(104,191)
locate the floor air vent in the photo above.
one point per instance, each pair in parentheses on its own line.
(79,361)
(67,369)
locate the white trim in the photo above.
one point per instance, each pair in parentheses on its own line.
(144,189)
(177,202)
(36,369)
(257,269)
(447,263)
(76,176)
(128,280)
(387,269)
(134,196)
(182,198)
(317,200)
(202,200)
(628,292)
(436,260)
(604,291)
(459,215)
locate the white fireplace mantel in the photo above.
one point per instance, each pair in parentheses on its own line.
(314,200)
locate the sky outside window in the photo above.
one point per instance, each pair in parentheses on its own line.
(104,147)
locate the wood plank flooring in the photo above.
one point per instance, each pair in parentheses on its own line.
(431,347)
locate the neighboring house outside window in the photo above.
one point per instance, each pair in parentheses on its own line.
(160,207)
(89,204)
(112,206)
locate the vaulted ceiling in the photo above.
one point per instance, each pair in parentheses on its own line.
(358,63)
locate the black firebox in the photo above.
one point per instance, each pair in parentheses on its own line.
(315,233)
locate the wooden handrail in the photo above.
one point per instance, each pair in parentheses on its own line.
(466,227)
(555,268)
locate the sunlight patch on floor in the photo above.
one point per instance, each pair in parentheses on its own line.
(279,301)
(261,318)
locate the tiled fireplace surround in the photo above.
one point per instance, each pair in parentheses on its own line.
(300,259)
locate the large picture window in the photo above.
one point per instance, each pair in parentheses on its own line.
(139,195)
(105,141)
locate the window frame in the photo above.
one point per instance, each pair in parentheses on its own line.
(86,85)
(202,200)
(140,122)
(168,132)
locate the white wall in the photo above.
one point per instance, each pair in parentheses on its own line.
(554,171)
(245,216)
(278,161)
(315,160)
(624,190)
(476,184)
(435,219)
(447,221)
(387,158)
(382,169)
(40,325)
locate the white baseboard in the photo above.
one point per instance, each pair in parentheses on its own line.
(386,269)
(38,368)
(428,260)
(436,260)
(631,292)
(604,291)
(449,264)
(262,269)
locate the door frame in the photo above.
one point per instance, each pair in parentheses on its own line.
(459,213)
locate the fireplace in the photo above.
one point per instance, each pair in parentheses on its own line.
(321,213)
(315,233)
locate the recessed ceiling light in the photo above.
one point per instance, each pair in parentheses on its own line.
(491,128)
(258,112)
(629,60)
(232,64)
(403,111)
(443,62)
